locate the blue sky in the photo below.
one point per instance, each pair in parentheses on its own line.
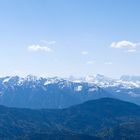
(70,37)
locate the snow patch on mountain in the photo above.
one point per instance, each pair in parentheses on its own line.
(78,88)
(6,80)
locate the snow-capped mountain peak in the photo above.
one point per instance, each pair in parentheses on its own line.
(54,91)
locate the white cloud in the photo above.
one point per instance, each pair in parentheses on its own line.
(84,52)
(125,44)
(36,48)
(90,62)
(108,63)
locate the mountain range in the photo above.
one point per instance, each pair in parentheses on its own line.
(38,92)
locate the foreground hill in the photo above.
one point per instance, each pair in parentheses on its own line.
(104,118)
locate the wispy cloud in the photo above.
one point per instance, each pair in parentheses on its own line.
(125,44)
(108,63)
(36,48)
(90,62)
(131,51)
(48,42)
(84,52)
